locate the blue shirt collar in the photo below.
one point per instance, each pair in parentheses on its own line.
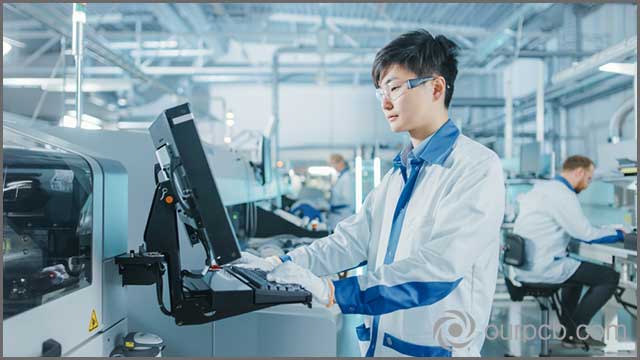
(566,183)
(433,150)
(346,168)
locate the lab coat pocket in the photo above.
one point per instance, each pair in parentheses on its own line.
(413,349)
(363,332)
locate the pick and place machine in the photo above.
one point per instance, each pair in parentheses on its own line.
(61,296)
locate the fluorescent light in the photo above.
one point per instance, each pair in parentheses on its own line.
(68,121)
(376,171)
(172,52)
(86,117)
(167,44)
(358,183)
(619,68)
(134,124)
(230,122)
(6,47)
(56,84)
(321,170)
(227,139)
(88,122)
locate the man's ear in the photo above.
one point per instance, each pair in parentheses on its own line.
(439,86)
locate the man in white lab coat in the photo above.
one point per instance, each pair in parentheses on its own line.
(429,232)
(550,215)
(343,193)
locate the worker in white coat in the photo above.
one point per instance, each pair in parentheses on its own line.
(550,215)
(429,233)
(343,193)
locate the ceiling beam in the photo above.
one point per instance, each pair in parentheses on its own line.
(501,34)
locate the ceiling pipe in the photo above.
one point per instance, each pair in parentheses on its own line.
(97,45)
(615,125)
(92,43)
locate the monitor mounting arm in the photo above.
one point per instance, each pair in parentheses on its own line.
(193,300)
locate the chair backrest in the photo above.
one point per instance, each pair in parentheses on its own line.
(513,254)
(514,250)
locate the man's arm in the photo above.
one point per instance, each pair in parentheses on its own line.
(346,248)
(467,224)
(570,216)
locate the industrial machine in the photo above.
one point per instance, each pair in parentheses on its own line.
(186,190)
(58,255)
(122,201)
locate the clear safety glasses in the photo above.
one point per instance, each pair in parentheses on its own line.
(394,90)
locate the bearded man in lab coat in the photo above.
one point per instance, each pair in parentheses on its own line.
(429,232)
(550,215)
(343,192)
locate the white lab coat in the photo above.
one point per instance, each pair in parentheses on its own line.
(343,198)
(446,258)
(550,215)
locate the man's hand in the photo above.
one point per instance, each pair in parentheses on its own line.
(291,273)
(251,261)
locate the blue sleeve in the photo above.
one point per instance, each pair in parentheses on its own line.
(619,236)
(383,299)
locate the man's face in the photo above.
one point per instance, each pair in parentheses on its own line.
(411,109)
(337,165)
(585,178)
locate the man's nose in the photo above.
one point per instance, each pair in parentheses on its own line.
(386,103)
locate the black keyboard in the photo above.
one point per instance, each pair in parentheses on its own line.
(269,292)
(631,241)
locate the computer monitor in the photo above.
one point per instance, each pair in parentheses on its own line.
(530,159)
(182,159)
(265,165)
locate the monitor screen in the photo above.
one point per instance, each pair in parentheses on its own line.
(265,165)
(178,146)
(530,158)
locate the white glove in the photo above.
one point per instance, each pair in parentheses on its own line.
(291,273)
(251,261)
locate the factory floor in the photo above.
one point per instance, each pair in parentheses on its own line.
(348,344)
(530,314)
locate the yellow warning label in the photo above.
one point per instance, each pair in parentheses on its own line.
(93,323)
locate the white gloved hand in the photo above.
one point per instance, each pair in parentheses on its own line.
(251,261)
(291,273)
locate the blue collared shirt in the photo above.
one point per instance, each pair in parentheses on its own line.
(409,153)
(433,150)
(566,183)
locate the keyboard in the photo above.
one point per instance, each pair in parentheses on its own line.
(269,292)
(631,241)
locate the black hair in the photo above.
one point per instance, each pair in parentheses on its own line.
(421,53)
